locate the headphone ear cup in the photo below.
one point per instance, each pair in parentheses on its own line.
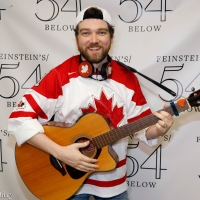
(85,69)
(105,71)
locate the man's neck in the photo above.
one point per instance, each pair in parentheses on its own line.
(98,65)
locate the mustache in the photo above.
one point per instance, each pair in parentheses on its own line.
(92,45)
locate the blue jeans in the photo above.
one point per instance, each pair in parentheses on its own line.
(122,196)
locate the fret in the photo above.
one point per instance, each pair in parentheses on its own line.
(105,139)
(110,138)
(95,142)
(101,137)
(100,140)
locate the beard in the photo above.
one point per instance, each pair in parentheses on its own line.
(94,57)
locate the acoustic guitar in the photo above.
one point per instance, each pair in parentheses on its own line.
(50,179)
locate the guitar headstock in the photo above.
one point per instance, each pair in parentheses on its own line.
(194,99)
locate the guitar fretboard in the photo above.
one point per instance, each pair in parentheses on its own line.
(133,127)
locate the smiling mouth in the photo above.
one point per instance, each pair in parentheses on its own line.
(94,49)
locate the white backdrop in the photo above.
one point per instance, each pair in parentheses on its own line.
(159,38)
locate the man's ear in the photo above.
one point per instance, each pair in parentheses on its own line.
(76,39)
(112,39)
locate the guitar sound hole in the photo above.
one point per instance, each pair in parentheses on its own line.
(89,151)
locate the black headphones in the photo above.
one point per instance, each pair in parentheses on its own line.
(106,70)
(86,69)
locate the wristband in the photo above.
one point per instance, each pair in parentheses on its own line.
(174,108)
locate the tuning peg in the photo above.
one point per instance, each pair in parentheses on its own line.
(193,89)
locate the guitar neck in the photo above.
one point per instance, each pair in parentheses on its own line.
(133,127)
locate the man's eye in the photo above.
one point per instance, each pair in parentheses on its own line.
(85,33)
(102,32)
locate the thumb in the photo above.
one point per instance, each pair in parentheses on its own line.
(82,144)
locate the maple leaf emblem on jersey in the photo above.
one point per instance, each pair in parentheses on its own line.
(104,106)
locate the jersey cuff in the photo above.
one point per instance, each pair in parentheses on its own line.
(141,135)
(27,131)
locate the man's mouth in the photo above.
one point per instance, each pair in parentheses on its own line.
(94,49)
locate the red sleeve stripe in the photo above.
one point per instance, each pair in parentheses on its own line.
(121,163)
(106,183)
(23,114)
(35,106)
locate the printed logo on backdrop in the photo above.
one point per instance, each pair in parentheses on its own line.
(10,74)
(152,163)
(173,69)
(138,9)
(1,157)
(1,13)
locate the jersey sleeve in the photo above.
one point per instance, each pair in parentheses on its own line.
(140,109)
(37,106)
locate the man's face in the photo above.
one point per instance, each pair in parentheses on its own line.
(93,40)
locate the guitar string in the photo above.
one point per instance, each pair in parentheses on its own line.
(113,135)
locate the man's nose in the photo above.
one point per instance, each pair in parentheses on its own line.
(94,38)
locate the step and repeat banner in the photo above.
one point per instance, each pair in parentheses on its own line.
(158,38)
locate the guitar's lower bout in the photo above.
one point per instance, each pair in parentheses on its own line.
(41,176)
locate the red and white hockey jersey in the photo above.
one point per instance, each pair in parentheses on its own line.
(67,95)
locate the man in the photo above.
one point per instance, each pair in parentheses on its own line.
(111,90)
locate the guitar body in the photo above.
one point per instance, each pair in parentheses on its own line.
(50,179)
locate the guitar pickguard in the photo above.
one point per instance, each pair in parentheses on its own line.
(57,164)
